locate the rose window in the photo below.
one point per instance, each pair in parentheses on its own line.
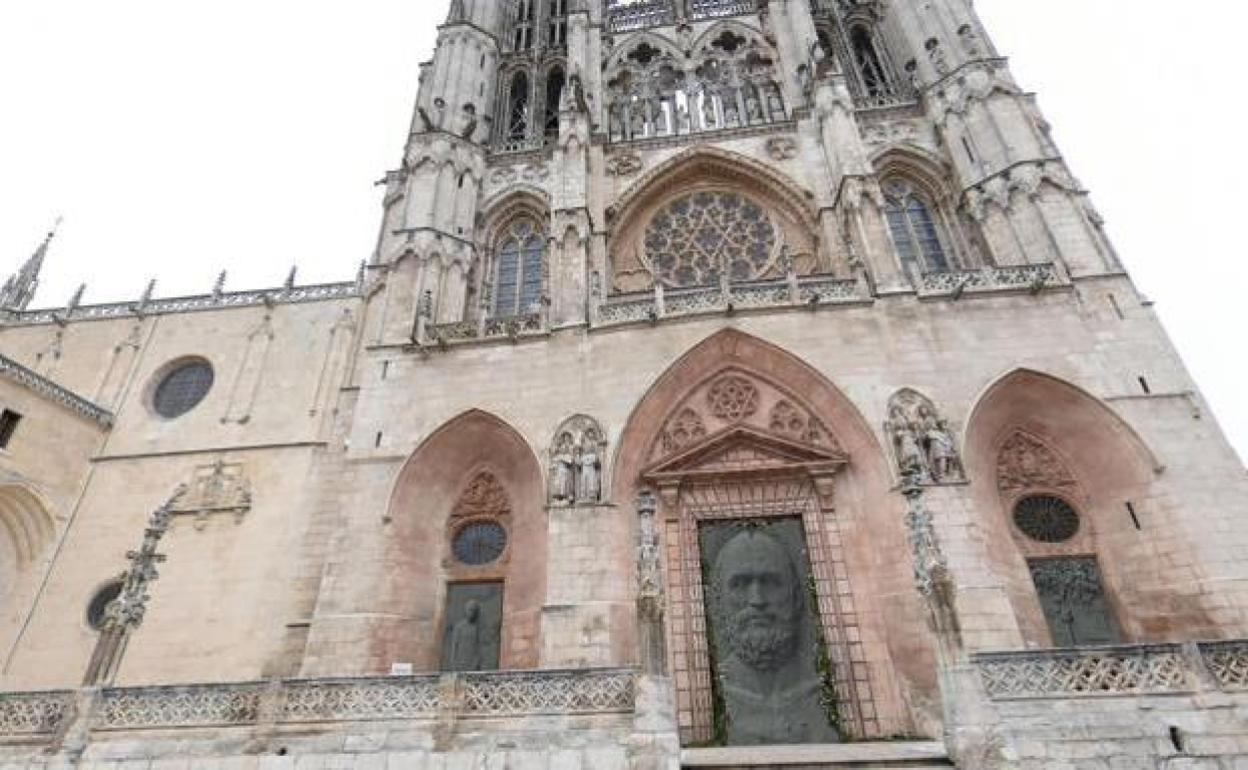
(1046,519)
(696,238)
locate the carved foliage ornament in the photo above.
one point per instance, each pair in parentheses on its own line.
(1025,463)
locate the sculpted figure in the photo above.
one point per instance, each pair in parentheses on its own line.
(769,684)
(466,639)
(562,472)
(910,457)
(942,453)
(589,480)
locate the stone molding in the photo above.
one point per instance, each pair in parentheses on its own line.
(461,696)
(287,295)
(1119,670)
(48,389)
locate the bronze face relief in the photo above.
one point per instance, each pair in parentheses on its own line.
(764,634)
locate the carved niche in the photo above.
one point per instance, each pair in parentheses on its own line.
(577,457)
(924,446)
(1026,463)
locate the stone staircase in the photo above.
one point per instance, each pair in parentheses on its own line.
(848,756)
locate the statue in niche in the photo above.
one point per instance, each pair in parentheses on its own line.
(753,107)
(562,470)
(708,110)
(636,121)
(576,462)
(764,651)
(473,626)
(589,479)
(682,119)
(923,443)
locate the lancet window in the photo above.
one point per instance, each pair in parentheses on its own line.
(730,82)
(518,260)
(914,225)
(875,81)
(518,108)
(524,25)
(555,82)
(557,24)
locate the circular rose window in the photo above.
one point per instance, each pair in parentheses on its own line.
(479,542)
(182,388)
(692,240)
(1046,519)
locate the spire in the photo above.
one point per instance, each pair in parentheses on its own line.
(19,290)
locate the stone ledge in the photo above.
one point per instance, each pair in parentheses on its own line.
(878,755)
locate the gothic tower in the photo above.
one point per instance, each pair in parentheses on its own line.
(735,383)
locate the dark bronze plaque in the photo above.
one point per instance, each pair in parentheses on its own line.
(764,634)
(473,626)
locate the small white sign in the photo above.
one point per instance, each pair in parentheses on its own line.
(401,669)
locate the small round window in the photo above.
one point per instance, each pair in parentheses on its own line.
(182,389)
(99,604)
(1046,519)
(478,543)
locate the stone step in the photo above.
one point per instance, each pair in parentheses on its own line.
(837,756)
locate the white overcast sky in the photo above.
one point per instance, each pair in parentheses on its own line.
(179,139)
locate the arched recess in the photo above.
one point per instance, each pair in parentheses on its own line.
(26,531)
(428,498)
(911,172)
(1073,446)
(787,207)
(735,399)
(498,225)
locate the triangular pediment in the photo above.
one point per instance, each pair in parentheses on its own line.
(744,449)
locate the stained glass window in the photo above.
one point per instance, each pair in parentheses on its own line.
(518,278)
(182,389)
(696,238)
(914,229)
(479,542)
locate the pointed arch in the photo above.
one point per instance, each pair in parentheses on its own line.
(719,27)
(756,194)
(625,47)
(25,522)
(738,399)
(1035,436)
(423,500)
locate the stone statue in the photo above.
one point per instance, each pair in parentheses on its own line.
(562,471)
(589,480)
(753,107)
(910,458)
(942,452)
(465,653)
(771,691)
(708,110)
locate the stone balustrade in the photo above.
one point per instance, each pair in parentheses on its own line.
(216,301)
(664,303)
(463,696)
(484,330)
(1157,669)
(955,283)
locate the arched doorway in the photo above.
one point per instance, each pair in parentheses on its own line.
(766,474)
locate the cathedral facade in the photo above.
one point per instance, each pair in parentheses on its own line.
(735,384)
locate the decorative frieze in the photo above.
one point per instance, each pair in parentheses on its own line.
(214,301)
(37,713)
(193,706)
(48,389)
(1082,672)
(954,283)
(1227,662)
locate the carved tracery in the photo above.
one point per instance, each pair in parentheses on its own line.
(727,80)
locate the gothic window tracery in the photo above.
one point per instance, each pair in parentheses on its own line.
(522,30)
(697,238)
(729,81)
(518,108)
(555,82)
(912,222)
(557,24)
(519,255)
(876,84)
